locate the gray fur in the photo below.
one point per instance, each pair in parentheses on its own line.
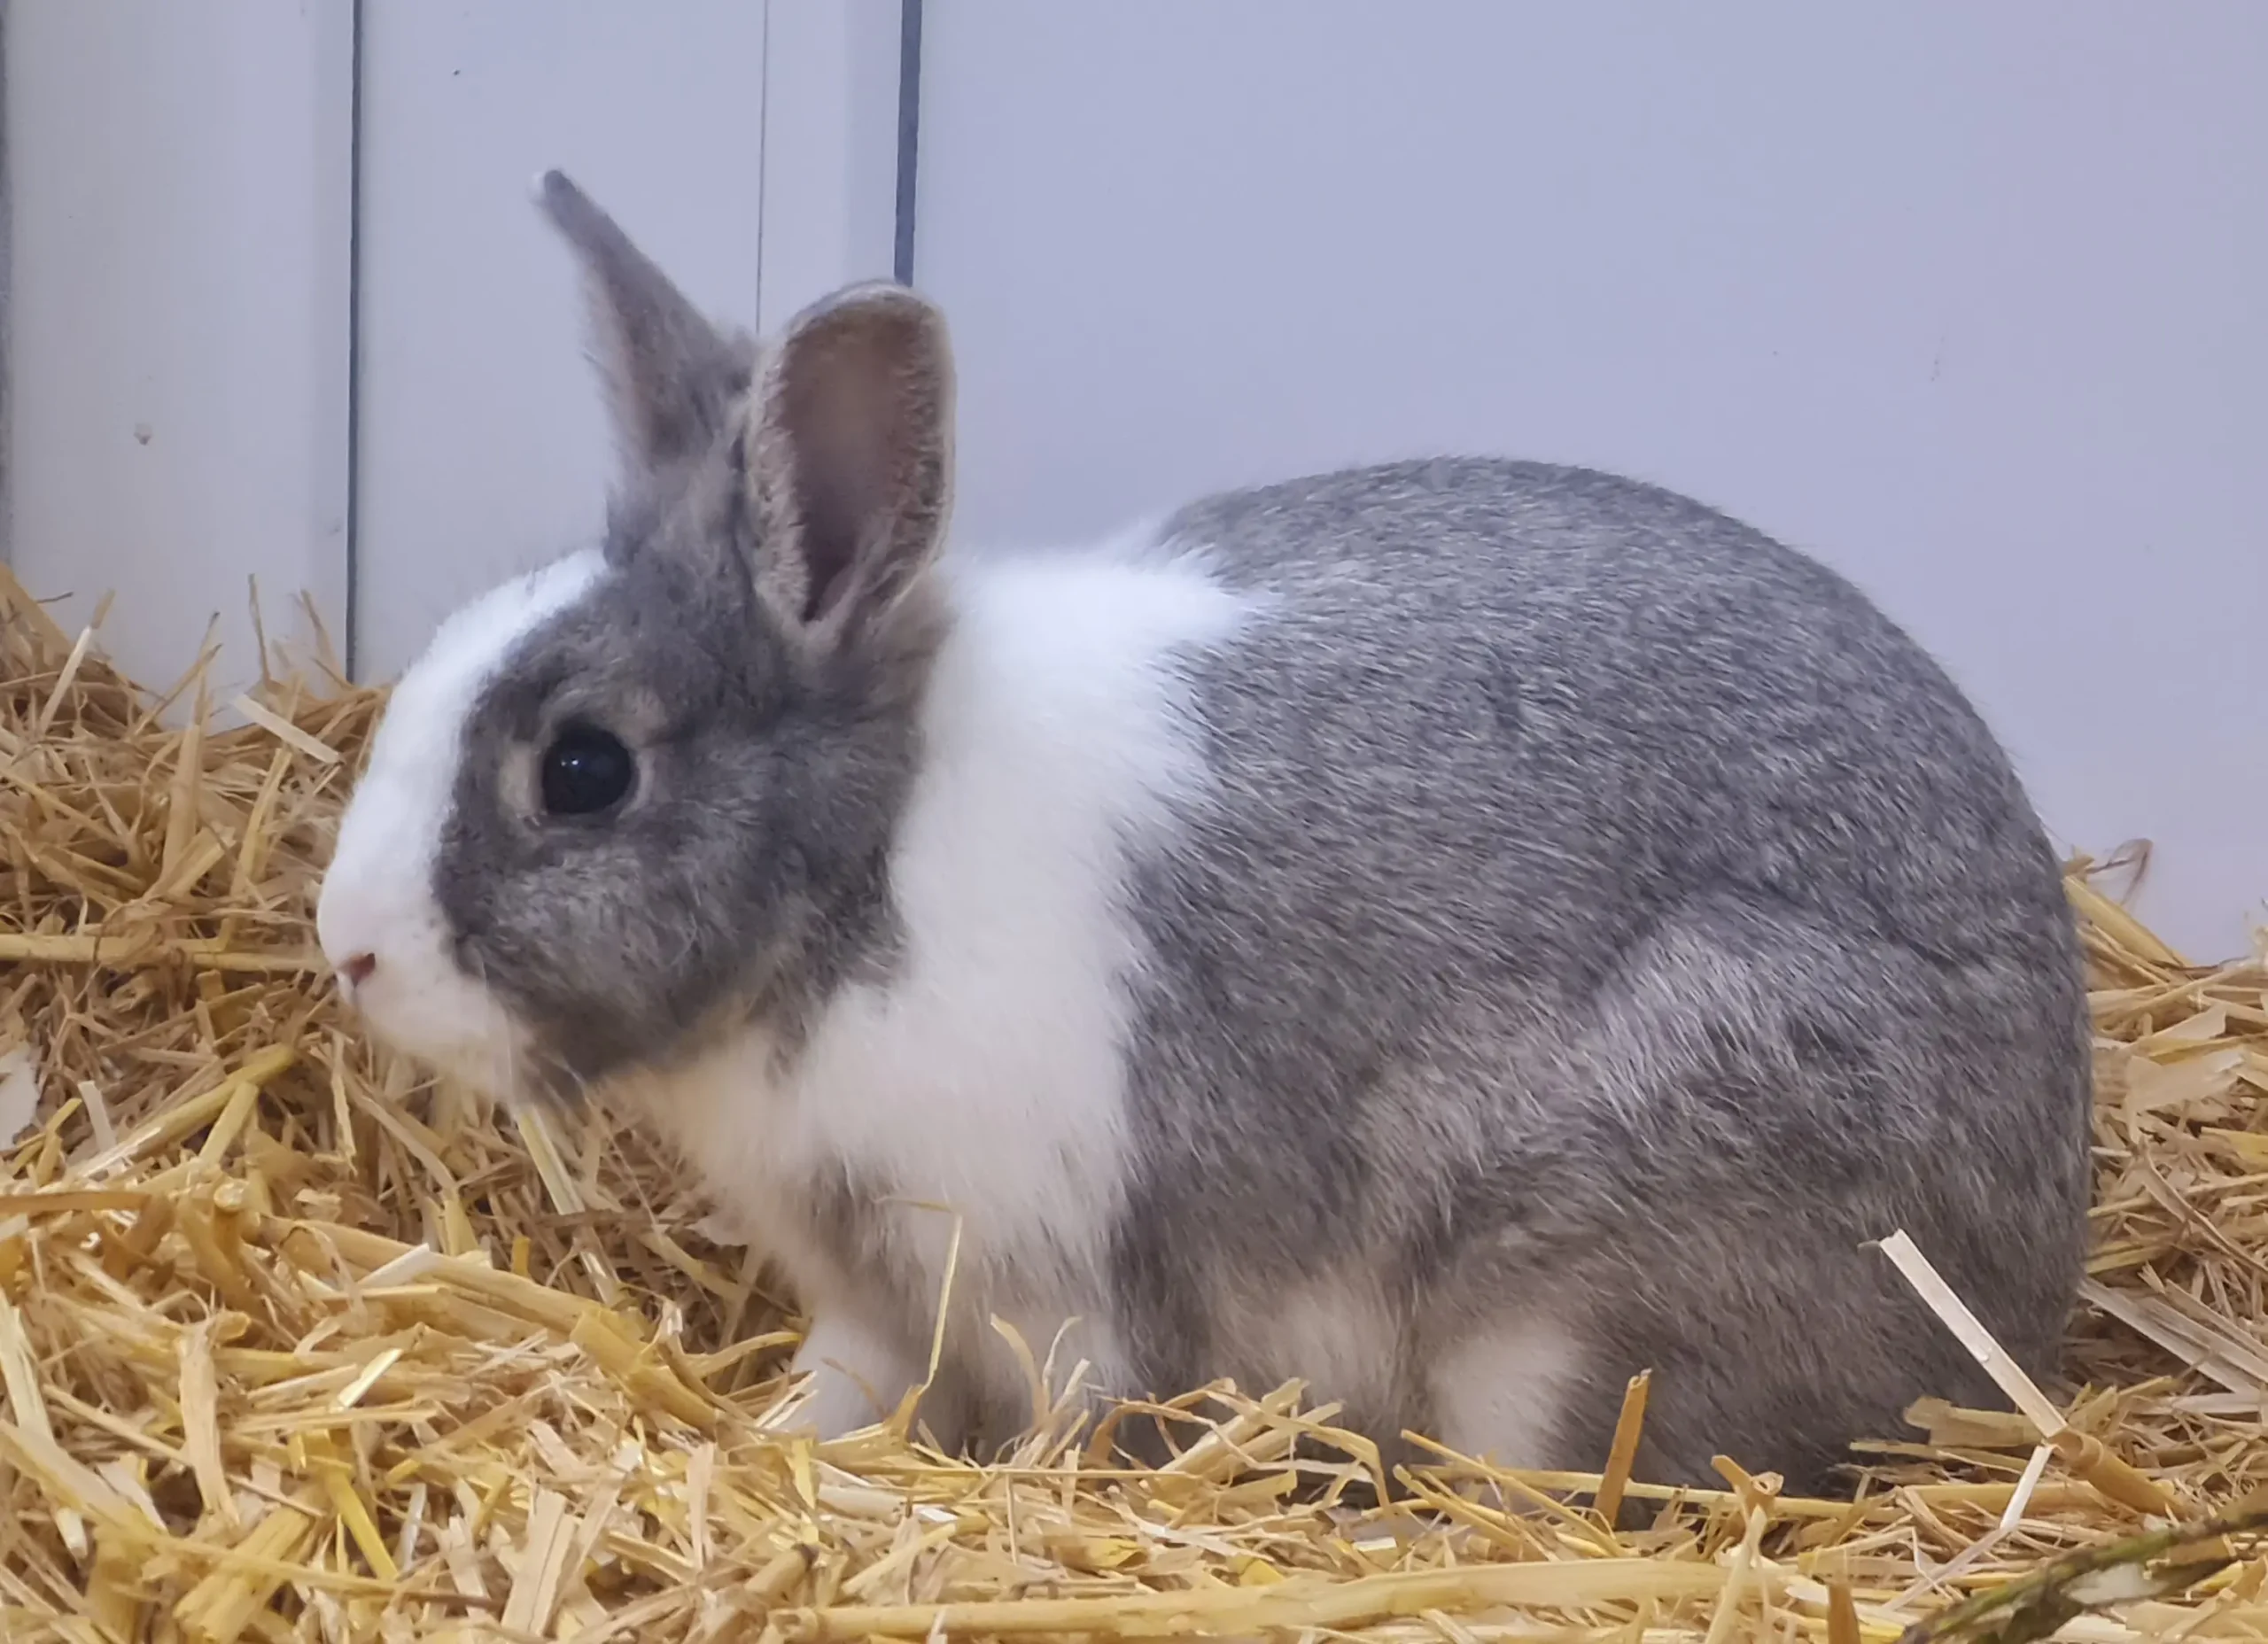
(671,377)
(1607,910)
(1600,911)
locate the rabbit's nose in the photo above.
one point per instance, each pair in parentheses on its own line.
(358,967)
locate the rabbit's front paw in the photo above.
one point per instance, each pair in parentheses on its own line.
(858,1378)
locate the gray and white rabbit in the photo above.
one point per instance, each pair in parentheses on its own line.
(1459,931)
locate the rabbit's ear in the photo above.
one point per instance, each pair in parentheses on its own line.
(671,376)
(849,451)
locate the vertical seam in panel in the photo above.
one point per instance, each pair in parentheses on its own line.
(7,312)
(354,645)
(909,136)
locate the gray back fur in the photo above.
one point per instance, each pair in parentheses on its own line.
(1605,906)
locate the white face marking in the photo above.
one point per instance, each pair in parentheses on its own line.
(988,1074)
(377,901)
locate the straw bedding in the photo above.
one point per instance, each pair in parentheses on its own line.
(294,1346)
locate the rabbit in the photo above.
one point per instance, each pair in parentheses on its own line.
(1458,932)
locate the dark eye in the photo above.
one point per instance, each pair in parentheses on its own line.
(584,770)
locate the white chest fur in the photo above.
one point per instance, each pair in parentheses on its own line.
(987,1076)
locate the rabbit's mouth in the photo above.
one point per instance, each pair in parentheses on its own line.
(467,1039)
(416,997)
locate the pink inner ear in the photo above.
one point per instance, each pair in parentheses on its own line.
(839,432)
(859,404)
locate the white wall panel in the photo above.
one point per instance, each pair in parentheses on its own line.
(481,448)
(240,314)
(180,181)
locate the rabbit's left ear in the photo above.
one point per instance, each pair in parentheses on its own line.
(850,449)
(672,376)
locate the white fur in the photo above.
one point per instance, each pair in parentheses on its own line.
(1333,1331)
(986,1078)
(378,897)
(858,1375)
(1499,1394)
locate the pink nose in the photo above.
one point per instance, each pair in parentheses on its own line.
(358,967)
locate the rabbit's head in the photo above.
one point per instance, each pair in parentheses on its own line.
(646,793)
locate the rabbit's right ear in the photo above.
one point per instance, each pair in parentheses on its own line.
(849,456)
(672,376)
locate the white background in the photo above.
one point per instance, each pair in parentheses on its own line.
(181,237)
(1965,299)
(226,342)
(1969,301)
(482,445)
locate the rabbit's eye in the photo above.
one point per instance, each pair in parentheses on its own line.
(586,771)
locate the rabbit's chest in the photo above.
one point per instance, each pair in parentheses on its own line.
(884,1144)
(979,1088)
